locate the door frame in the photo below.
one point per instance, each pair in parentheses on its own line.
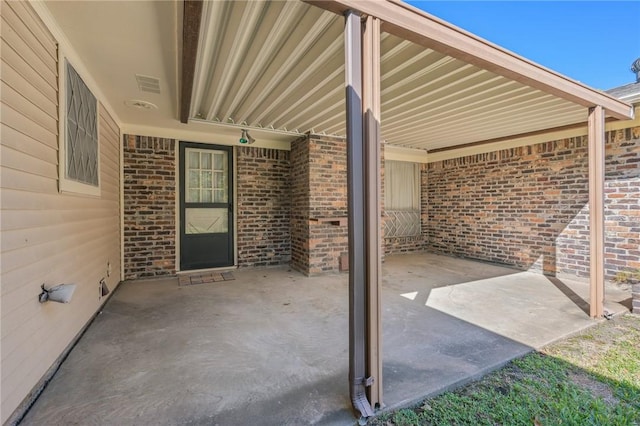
(178,202)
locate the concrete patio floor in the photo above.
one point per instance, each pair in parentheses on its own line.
(271,348)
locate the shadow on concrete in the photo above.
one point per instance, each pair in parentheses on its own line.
(271,347)
(571,295)
(627,303)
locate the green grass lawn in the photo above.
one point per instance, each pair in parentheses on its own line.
(590,379)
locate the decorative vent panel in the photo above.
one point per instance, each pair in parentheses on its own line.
(402,223)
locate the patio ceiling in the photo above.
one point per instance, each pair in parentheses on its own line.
(280,65)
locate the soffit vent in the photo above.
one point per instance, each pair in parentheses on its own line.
(148,84)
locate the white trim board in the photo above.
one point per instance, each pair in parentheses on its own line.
(530,140)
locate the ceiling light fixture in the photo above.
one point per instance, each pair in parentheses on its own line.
(246,138)
(136,103)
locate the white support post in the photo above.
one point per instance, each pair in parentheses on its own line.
(356,212)
(596,210)
(362,70)
(371,110)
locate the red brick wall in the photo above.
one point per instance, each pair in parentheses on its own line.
(622,212)
(527,206)
(149,206)
(263,206)
(507,206)
(327,176)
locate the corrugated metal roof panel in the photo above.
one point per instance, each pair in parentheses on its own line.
(281,65)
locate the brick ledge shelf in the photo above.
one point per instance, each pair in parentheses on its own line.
(336,221)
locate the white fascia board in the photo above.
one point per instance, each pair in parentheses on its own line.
(212,136)
(399,153)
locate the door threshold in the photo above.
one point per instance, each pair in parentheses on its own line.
(199,271)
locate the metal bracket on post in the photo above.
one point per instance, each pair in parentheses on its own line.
(364,381)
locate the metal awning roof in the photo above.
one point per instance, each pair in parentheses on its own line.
(280,65)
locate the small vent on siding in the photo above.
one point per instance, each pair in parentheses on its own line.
(148,84)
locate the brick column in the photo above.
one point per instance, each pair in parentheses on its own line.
(319,191)
(300,199)
(328,199)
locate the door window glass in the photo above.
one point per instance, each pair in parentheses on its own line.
(206,221)
(207,176)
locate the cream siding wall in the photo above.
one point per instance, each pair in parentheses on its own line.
(46,237)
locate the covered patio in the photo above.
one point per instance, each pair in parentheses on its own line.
(271,346)
(329,91)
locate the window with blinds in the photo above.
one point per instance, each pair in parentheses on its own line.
(402,199)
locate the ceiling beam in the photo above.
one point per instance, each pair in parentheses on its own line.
(576,126)
(410,23)
(190,33)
